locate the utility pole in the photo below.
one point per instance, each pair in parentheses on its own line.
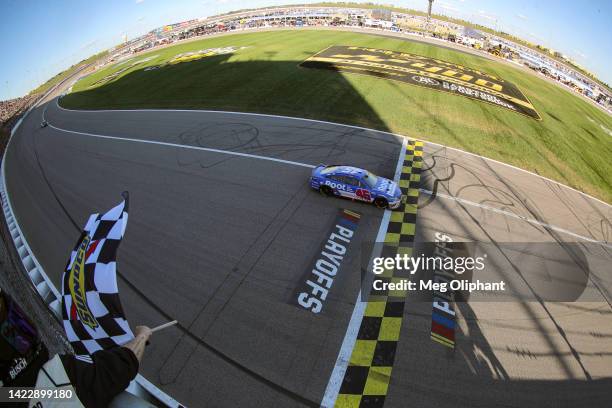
(429,9)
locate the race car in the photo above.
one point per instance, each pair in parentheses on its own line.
(357,184)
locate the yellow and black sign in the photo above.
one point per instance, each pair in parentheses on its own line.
(76,283)
(424,71)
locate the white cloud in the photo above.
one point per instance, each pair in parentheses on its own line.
(451,8)
(522,16)
(139,1)
(487,15)
(447,6)
(89,44)
(140,18)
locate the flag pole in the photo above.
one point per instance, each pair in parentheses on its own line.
(163,326)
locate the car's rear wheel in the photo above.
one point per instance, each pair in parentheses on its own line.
(326,190)
(380,202)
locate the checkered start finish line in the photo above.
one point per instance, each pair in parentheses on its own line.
(368,374)
(91,310)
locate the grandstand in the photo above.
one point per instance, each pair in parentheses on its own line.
(12,108)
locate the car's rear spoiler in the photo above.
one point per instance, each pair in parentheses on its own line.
(331,165)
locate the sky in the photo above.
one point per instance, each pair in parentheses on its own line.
(39,39)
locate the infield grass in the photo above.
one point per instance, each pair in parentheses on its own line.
(572,143)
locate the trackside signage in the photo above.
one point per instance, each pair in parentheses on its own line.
(319,278)
(426,72)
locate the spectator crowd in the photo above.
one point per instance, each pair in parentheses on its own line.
(13,107)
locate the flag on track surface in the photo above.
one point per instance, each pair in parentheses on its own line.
(91,309)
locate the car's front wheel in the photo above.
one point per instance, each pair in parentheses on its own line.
(380,202)
(326,190)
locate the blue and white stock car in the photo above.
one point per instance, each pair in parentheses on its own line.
(356,184)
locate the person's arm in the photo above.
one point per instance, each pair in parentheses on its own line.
(137,345)
(111,372)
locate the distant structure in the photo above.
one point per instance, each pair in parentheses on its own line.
(382,14)
(380,18)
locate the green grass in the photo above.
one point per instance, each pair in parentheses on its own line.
(67,73)
(568,145)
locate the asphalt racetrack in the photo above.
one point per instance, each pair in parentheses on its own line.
(223,228)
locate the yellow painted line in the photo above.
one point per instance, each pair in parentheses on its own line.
(442,340)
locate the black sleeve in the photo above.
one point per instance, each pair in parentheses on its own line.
(98,383)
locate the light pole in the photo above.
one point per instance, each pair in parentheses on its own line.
(429,9)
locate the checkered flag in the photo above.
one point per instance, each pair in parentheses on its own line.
(91,309)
